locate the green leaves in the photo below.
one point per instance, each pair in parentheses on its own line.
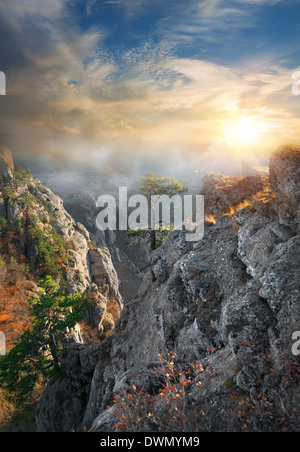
(161,186)
(154,188)
(52,256)
(40,351)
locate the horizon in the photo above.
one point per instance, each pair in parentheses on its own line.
(126,87)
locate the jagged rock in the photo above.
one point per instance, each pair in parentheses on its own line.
(104,273)
(82,229)
(64,402)
(38,228)
(285,181)
(6,161)
(221,192)
(230,301)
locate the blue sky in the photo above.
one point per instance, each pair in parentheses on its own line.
(102,80)
(223,31)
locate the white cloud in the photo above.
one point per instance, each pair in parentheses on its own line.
(70,98)
(40,8)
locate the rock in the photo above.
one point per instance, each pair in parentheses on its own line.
(285,181)
(6,161)
(41,229)
(64,401)
(222,192)
(230,301)
(104,273)
(82,229)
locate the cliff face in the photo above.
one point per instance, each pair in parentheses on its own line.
(38,238)
(127,260)
(230,301)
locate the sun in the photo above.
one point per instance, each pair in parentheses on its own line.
(242,132)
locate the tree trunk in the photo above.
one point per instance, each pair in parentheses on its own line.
(53,352)
(153,240)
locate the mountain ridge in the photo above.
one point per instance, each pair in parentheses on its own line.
(230,301)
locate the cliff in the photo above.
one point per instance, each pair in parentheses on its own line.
(230,301)
(209,333)
(38,238)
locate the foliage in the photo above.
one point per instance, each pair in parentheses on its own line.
(21,175)
(3,225)
(92,245)
(52,250)
(40,350)
(10,184)
(156,187)
(266,412)
(167,400)
(169,408)
(161,186)
(141,235)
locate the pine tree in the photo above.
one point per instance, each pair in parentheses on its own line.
(41,349)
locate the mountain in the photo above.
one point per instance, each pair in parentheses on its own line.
(39,238)
(208,342)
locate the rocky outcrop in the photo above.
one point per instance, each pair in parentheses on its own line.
(127,260)
(64,402)
(224,192)
(6,161)
(285,180)
(230,301)
(40,238)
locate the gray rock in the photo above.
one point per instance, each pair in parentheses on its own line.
(230,301)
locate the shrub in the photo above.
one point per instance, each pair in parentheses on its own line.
(169,405)
(40,351)
(52,250)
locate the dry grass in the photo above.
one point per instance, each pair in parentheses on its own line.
(14,313)
(210,219)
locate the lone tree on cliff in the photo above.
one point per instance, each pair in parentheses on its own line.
(153,188)
(41,348)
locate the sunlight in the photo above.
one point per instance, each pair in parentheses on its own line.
(242,132)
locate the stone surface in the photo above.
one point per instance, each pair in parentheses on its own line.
(26,204)
(230,301)
(64,401)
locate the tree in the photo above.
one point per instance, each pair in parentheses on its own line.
(154,188)
(41,348)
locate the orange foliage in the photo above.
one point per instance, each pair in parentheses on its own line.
(14,314)
(210,219)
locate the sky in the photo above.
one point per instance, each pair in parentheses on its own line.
(132,85)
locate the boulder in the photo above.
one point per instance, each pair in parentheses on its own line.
(285,181)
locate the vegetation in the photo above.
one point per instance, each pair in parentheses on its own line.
(140,235)
(169,408)
(52,254)
(170,401)
(155,187)
(40,351)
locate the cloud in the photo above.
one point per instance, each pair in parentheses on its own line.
(19,8)
(72,99)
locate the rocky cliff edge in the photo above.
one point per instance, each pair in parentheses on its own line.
(230,301)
